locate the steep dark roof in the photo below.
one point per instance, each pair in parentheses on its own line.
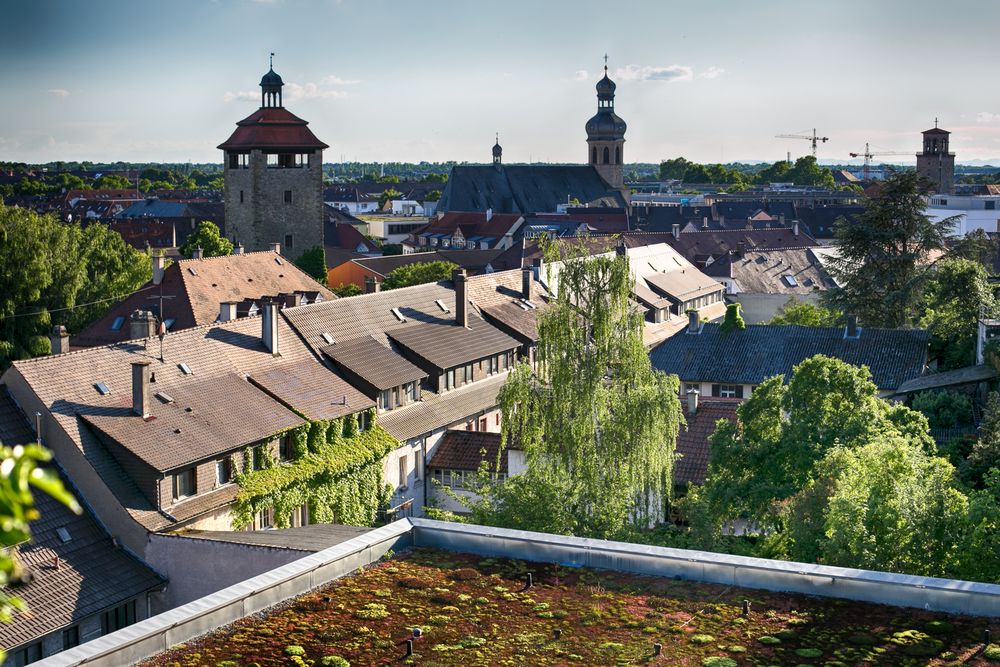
(761,351)
(93,574)
(525,189)
(446,345)
(466,450)
(818,222)
(311,389)
(471,260)
(692,442)
(374,362)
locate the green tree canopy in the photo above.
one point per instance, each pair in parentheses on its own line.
(957,292)
(883,262)
(313,262)
(387,195)
(207,237)
(805,314)
(593,398)
(113,182)
(346,289)
(418,273)
(733,320)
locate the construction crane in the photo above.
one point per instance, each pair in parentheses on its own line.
(811,138)
(868,155)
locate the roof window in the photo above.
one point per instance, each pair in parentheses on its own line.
(63,534)
(192,271)
(529,304)
(185,369)
(165,397)
(399,315)
(102,389)
(117,324)
(169,322)
(790,281)
(278,260)
(442,305)
(328,338)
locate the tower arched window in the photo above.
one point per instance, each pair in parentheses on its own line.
(607,155)
(593,155)
(618,154)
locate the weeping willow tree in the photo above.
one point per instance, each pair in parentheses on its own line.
(598,425)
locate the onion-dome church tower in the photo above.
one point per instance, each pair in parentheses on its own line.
(273,174)
(606,135)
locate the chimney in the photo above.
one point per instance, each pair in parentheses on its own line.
(238,249)
(536,268)
(461,301)
(276,248)
(749,222)
(140,388)
(197,253)
(141,324)
(692,401)
(489,214)
(852,330)
(795,229)
(704,222)
(781,219)
(526,278)
(269,327)
(372,286)
(158,269)
(741,249)
(676,230)
(59,339)
(291,300)
(694,323)
(227,311)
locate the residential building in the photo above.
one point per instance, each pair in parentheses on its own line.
(366,272)
(970,212)
(273,173)
(393,229)
(465,231)
(458,458)
(935,163)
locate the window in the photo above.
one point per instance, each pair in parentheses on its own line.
(288,198)
(402,472)
(467,374)
(410,390)
(71,637)
(383,400)
(285,448)
(491,365)
(264,519)
(117,324)
(593,155)
(224,471)
(241,196)
(184,484)
(991,206)
(239,160)
(363,421)
(449,379)
(607,155)
(482,423)
(27,655)
(727,390)
(396,401)
(120,617)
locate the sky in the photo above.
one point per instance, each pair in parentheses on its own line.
(166,81)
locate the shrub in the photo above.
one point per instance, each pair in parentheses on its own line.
(702,639)
(294,650)
(334,661)
(464,574)
(768,640)
(372,611)
(718,661)
(992,652)
(944,409)
(808,652)
(414,583)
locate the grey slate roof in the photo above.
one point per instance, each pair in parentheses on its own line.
(312,389)
(309,539)
(374,362)
(525,188)
(446,345)
(444,409)
(760,351)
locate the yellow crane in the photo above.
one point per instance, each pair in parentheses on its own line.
(813,138)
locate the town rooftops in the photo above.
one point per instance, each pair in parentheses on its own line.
(473,261)
(446,345)
(76,569)
(309,388)
(272,128)
(775,271)
(434,410)
(692,440)
(760,351)
(466,450)
(374,362)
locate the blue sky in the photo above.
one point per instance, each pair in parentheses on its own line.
(381,80)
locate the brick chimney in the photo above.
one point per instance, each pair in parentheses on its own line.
(141,324)
(158,268)
(59,339)
(227,311)
(275,248)
(526,279)
(197,253)
(269,327)
(238,249)
(692,396)
(291,300)
(140,388)
(851,330)
(694,322)
(372,286)
(461,299)
(676,230)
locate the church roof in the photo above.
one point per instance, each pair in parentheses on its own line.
(272,128)
(271,79)
(525,189)
(935,130)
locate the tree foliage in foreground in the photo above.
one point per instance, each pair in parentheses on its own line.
(207,237)
(313,262)
(805,314)
(55,273)
(418,273)
(598,425)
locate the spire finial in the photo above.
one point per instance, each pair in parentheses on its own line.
(271,63)
(935,122)
(605,64)
(498,137)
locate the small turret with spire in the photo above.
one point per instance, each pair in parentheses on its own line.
(497,153)
(606,134)
(270,86)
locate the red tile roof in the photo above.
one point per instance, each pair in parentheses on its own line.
(466,450)
(692,442)
(472,223)
(273,128)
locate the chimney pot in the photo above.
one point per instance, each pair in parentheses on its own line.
(741,249)
(461,300)
(238,249)
(197,253)
(704,222)
(795,229)
(694,322)
(676,230)
(140,388)
(372,286)
(489,214)
(141,324)
(227,311)
(276,248)
(692,396)
(852,330)
(526,278)
(158,269)
(59,339)
(269,327)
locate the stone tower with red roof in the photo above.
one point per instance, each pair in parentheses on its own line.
(274,177)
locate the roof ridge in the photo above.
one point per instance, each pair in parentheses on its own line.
(230,256)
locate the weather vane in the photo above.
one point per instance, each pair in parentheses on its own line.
(271,64)
(605,63)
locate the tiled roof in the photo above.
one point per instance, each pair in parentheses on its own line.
(273,128)
(778,271)
(65,384)
(466,450)
(308,539)
(194,288)
(472,223)
(93,574)
(374,362)
(471,260)
(716,243)
(819,221)
(344,236)
(761,351)
(446,345)
(311,389)
(498,296)
(692,442)
(444,409)
(205,418)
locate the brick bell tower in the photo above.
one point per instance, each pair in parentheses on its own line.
(935,163)
(273,174)
(606,135)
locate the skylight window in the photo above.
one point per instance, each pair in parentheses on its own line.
(442,305)
(278,260)
(523,305)
(790,281)
(399,315)
(327,337)
(63,534)
(529,304)
(169,322)
(164,397)
(102,389)
(185,369)
(117,324)
(192,271)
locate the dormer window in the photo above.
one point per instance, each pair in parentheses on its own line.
(185,484)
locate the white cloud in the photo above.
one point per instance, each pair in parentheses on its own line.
(711,73)
(669,73)
(310,90)
(581,75)
(987,117)
(241,95)
(59,92)
(334,80)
